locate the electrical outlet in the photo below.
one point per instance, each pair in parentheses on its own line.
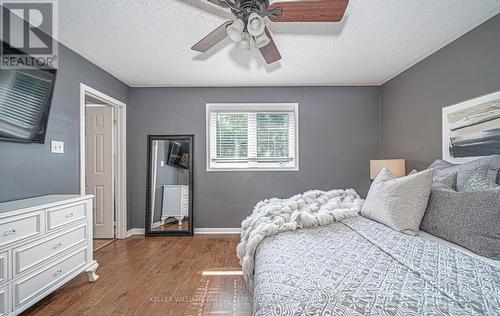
(162,163)
(57,147)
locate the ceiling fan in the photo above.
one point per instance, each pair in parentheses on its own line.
(249,29)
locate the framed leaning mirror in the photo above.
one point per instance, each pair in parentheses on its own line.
(169,197)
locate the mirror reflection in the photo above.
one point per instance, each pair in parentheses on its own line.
(170,185)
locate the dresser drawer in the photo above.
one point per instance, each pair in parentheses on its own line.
(4,301)
(20,227)
(60,216)
(28,256)
(4,267)
(30,286)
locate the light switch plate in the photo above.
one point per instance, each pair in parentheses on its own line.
(56,147)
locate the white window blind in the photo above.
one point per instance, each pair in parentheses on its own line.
(252,136)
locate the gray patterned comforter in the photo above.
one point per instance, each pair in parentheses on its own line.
(360,267)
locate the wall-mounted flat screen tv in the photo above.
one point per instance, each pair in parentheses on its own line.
(25,96)
(178,154)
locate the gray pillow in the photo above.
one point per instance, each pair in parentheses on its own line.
(490,165)
(439,164)
(398,202)
(468,219)
(450,179)
(479,182)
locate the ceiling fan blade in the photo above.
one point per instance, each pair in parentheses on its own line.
(310,11)
(212,39)
(270,52)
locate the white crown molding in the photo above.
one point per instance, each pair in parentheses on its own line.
(258,85)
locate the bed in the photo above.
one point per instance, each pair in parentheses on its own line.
(360,267)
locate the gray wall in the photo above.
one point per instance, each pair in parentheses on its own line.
(339,133)
(411,103)
(28,170)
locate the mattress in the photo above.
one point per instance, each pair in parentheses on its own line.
(360,267)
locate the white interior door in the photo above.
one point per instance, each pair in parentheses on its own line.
(99,169)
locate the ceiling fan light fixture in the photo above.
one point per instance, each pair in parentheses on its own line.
(246,42)
(252,18)
(235,30)
(256,24)
(261,40)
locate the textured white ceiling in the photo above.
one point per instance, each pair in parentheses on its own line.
(147,43)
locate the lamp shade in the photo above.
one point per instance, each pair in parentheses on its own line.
(256,24)
(235,30)
(396,166)
(246,42)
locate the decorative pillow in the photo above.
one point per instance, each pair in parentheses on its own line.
(450,179)
(398,202)
(490,165)
(468,219)
(479,182)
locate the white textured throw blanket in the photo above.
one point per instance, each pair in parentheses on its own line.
(309,209)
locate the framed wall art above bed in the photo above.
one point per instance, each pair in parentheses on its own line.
(471,129)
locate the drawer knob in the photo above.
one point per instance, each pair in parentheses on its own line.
(57,272)
(59,244)
(70,214)
(10,232)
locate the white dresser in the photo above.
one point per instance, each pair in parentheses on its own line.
(44,242)
(175,202)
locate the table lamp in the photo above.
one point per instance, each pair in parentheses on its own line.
(396,166)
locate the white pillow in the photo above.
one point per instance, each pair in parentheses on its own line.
(399,203)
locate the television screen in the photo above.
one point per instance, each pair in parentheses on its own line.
(174,154)
(178,154)
(25,96)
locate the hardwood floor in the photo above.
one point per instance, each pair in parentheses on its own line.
(197,275)
(99,243)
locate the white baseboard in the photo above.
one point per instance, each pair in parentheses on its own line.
(215,231)
(135,231)
(199,231)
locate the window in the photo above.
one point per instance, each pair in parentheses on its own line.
(252,137)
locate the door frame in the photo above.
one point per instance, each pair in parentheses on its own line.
(120,172)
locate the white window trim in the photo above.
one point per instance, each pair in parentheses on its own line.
(251,107)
